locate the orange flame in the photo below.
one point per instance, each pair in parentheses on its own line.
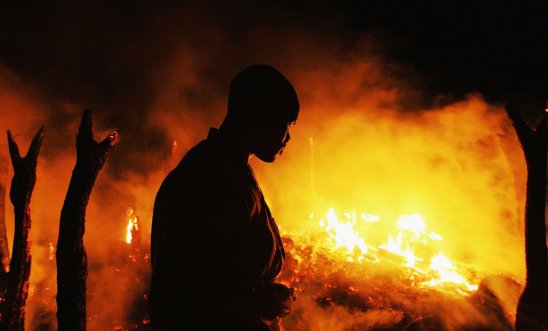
(353,239)
(132,225)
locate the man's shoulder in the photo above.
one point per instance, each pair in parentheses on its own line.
(197,164)
(199,157)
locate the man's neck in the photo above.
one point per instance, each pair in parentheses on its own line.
(236,143)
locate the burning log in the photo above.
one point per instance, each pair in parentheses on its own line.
(22,185)
(531,311)
(71,255)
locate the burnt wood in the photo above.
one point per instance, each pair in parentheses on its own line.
(22,185)
(71,254)
(532,310)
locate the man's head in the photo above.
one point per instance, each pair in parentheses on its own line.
(262,105)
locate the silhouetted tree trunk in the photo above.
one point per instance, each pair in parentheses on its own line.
(532,310)
(4,248)
(71,255)
(22,185)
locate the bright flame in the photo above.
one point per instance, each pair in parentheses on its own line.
(51,249)
(447,273)
(132,225)
(413,223)
(356,238)
(343,232)
(396,247)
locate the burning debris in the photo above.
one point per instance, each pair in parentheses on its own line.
(413,247)
(401,282)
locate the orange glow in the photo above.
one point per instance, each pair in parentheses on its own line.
(405,205)
(51,249)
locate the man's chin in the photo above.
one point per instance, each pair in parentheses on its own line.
(269,158)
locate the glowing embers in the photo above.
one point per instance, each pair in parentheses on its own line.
(408,244)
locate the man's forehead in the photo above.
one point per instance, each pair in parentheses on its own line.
(282,117)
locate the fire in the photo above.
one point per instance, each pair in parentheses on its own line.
(51,250)
(447,273)
(343,232)
(415,248)
(132,225)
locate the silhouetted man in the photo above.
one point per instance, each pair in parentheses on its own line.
(216,250)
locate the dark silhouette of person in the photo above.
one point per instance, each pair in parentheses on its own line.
(216,250)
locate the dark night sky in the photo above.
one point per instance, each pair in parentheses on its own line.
(495,48)
(116,55)
(456,46)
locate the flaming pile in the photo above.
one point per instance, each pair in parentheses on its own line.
(359,271)
(357,238)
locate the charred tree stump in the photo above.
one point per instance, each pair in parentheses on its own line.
(71,255)
(532,311)
(22,185)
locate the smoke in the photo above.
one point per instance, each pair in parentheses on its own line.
(460,166)
(459,177)
(393,131)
